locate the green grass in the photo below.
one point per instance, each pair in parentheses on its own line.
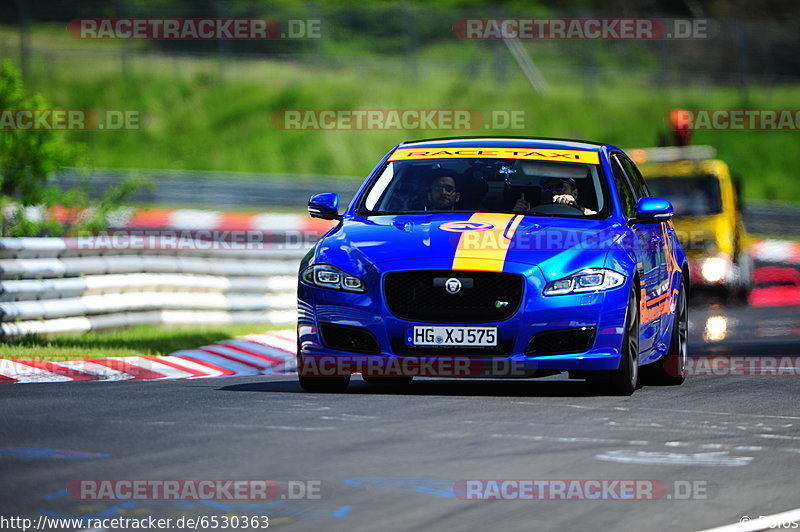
(201,114)
(138,340)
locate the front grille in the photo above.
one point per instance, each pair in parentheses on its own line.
(561,341)
(484,296)
(346,338)
(400,348)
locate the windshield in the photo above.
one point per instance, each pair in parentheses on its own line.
(690,196)
(539,188)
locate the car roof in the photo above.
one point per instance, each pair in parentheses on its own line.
(506,142)
(687,169)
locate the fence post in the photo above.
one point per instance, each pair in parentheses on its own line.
(124,54)
(742,64)
(222,10)
(412,36)
(24,37)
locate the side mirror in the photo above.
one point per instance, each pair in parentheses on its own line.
(325,206)
(653,210)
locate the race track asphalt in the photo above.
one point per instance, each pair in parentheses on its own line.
(721,447)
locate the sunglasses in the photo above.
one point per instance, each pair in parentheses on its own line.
(443,188)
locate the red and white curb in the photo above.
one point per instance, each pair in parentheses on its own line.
(272,353)
(206,219)
(769,250)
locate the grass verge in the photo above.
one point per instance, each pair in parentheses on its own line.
(138,340)
(197,113)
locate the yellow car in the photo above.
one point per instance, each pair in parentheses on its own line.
(708,217)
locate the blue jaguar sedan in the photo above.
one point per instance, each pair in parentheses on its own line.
(495,257)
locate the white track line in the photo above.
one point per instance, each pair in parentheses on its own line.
(755,524)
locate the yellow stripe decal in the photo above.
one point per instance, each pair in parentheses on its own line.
(657,299)
(674,262)
(486,250)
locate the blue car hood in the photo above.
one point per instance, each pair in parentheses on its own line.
(557,245)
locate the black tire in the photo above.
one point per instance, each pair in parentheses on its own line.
(387,380)
(670,369)
(623,380)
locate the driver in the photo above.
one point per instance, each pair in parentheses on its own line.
(563,191)
(443,194)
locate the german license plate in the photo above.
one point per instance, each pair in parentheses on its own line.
(451,336)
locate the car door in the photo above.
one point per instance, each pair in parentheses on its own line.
(669,265)
(647,248)
(665,251)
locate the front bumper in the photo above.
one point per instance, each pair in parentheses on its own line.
(604,311)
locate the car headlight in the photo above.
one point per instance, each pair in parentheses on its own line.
(588,280)
(327,276)
(714,269)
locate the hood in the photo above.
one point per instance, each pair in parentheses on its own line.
(554,244)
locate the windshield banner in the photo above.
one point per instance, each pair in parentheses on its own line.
(569,156)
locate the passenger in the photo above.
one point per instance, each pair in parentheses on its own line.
(563,191)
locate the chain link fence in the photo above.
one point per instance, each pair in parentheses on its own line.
(743,48)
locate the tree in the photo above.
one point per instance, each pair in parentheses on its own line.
(29,161)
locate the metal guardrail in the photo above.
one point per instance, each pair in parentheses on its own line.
(52,285)
(48,285)
(772,218)
(217,189)
(220,189)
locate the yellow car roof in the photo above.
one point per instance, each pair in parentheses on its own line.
(684,168)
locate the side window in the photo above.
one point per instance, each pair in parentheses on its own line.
(636,178)
(624,190)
